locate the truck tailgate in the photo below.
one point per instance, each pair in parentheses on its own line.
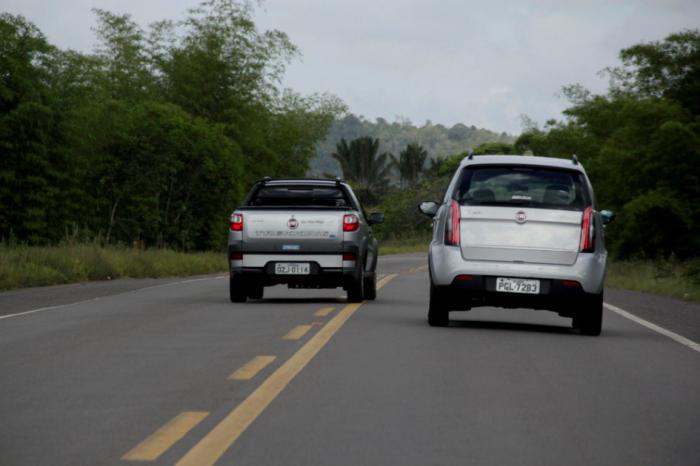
(293,231)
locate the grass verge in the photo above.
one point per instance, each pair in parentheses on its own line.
(669,278)
(396,246)
(24,266)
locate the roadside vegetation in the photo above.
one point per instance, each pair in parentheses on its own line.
(24,266)
(664,277)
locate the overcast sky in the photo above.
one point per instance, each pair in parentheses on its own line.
(481,63)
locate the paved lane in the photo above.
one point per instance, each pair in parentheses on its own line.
(86,384)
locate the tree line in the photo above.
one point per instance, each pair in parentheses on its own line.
(153,137)
(394,136)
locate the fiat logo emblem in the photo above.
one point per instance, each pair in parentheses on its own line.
(292,223)
(520,216)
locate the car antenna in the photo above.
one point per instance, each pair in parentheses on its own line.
(471,154)
(574,159)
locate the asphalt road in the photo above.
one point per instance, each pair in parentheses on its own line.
(151,371)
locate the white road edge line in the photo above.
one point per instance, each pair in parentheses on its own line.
(59,306)
(673,336)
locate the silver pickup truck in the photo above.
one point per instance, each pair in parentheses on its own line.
(305,233)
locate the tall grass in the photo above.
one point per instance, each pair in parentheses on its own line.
(24,266)
(670,278)
(404,246)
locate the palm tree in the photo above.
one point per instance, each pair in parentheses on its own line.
(367,171)
(436,166)
(411,163)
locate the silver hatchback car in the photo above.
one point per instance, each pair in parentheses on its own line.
(518,232)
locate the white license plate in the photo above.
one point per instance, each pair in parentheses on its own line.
(517,285)
(292,268)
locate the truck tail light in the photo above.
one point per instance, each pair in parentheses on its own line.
(587,231)
(236,222)
(351,222)
(235,256)
(349,256)
(452,225)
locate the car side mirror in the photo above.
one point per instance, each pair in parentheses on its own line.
(607,215)
(375,218)
(429,208)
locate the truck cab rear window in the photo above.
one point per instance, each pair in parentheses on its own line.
(299,196)
(545,188)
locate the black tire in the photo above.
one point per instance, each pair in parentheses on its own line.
(438,310)
(356,290)
(370,291)
(236,290)
(589,317)
(256,292)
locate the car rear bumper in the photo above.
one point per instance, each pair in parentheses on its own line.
(470,291)
(589,269)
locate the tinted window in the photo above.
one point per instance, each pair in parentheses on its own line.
(520,185)
(300,196)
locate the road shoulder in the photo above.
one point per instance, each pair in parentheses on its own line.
(27,299)
(676,315)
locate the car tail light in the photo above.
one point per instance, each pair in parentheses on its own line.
(351,222)
(349,256)
(587,231)
(236,256)
(236,222)
(452,225)
(568,283)
(464,278)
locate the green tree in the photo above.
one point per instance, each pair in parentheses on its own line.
(367,170)
(501,148)
(668,69)
(411,164)
(27,130)
(157,135)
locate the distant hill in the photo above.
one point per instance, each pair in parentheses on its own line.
(438,140)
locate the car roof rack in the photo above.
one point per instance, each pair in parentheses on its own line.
(574,159)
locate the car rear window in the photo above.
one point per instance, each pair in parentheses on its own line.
(539,187)
(299,196)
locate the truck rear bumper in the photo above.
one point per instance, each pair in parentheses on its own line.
(325,270)
(324,261)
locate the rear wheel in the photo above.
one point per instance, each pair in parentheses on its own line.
(356,290)
(236,290)
(371,286)
(589,317)
(438,310)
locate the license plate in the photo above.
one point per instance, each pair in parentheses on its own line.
(517,285)
(292,268)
